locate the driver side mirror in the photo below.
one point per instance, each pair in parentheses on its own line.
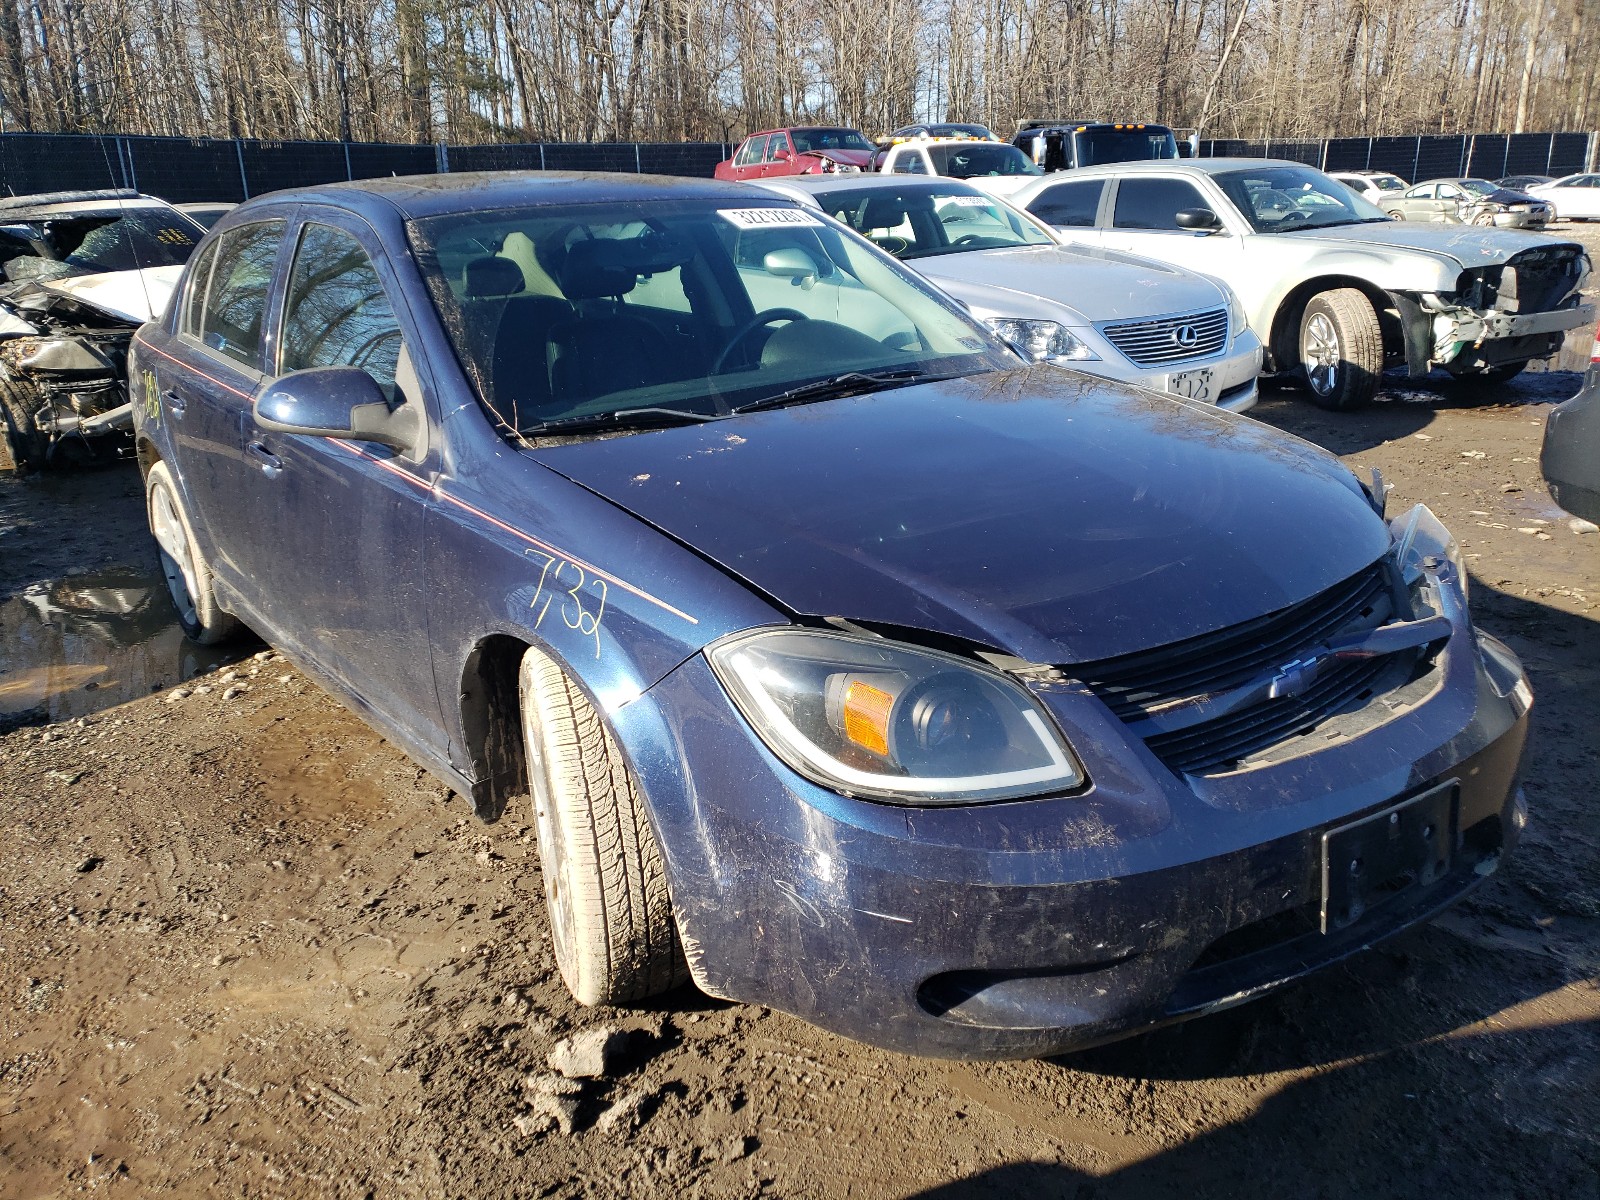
(791,263)
(1202,219)
(337,402)
(781,156)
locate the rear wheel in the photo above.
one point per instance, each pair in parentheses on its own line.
(1341,349)
(23,445)
(188,576)
(605,885)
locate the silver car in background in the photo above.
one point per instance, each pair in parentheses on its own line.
(1468,202)
(1098,311)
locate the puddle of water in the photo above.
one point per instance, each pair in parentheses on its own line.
(81,643)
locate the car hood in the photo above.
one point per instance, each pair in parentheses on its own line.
(136,296)
(1042,512)
(1102,285)
(1468,245)
(855,158)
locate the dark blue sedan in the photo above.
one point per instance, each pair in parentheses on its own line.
(853,668)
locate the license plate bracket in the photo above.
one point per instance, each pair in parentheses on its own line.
(1371,861)
(1194,385)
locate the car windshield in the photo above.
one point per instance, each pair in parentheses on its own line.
(678,310)
(807,140)
(95,242)
(917,221)
(1388,183)
(1479,187)
(1289,199)
(1111,145)
(964,160)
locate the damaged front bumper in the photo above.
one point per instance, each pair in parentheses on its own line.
(1498,315)
(1030,928)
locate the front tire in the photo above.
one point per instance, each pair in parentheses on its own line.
(605,885)
(188,575)
(24,447)
(1341,349)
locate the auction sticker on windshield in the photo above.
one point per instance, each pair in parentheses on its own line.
(766,218)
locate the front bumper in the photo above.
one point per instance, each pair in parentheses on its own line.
(1031,928)
(1231,378)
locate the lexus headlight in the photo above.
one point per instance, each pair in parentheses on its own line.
(1236,317)
(1421,541)
(869,717)
(1043,341)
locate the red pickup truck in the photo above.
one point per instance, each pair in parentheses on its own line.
(800,150)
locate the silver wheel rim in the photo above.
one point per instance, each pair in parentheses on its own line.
(1319,352)
(177,563)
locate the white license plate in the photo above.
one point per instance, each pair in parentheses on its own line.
(1196,385)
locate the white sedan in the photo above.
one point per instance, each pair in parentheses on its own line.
(1576,198)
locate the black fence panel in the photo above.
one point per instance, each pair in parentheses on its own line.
(1309,153)
(1487,157)
(371,160)
(1528,154)
(180,169)
(1348,154)
(1440,157)
(58,162)
(1224,148)
(681,158)
(1569,154)
(520,157)
(274,166)
(1395,154)
(596,156)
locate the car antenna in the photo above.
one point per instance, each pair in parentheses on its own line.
(133,248)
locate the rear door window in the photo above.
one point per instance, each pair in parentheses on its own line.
(194,298)
(1154,203)
(338,314)
(236,296)
(1074,204)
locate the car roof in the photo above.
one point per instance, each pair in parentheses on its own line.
(801,186)
(50,204)
(1182,166)
(419,196)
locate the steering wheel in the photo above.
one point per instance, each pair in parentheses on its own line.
(1294,216)
(765,317)
(966,239)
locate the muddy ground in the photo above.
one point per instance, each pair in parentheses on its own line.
(248,949)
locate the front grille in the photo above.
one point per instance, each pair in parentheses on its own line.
(1170,339)
(1137,687)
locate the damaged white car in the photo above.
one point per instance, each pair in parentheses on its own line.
(1335,289)
(79,273)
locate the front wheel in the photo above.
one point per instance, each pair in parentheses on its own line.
(1341,349)
(188,575)
(605,885)
(23,445)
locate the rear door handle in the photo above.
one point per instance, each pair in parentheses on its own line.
(271,464)
(176,404)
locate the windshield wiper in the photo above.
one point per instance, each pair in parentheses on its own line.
(849,383)
(623,418)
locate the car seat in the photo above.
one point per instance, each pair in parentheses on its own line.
(603,349)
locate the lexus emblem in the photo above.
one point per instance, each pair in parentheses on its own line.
(1186,336)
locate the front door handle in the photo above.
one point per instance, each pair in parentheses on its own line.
(271,464)
(176,404)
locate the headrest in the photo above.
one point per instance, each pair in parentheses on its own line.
(883,212)
(611,266)
(491,275)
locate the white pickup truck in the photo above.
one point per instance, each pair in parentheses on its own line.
(1335,289)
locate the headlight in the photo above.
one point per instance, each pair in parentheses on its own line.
(868,717)
(1420,541)
(1236,317)
(1043,340)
